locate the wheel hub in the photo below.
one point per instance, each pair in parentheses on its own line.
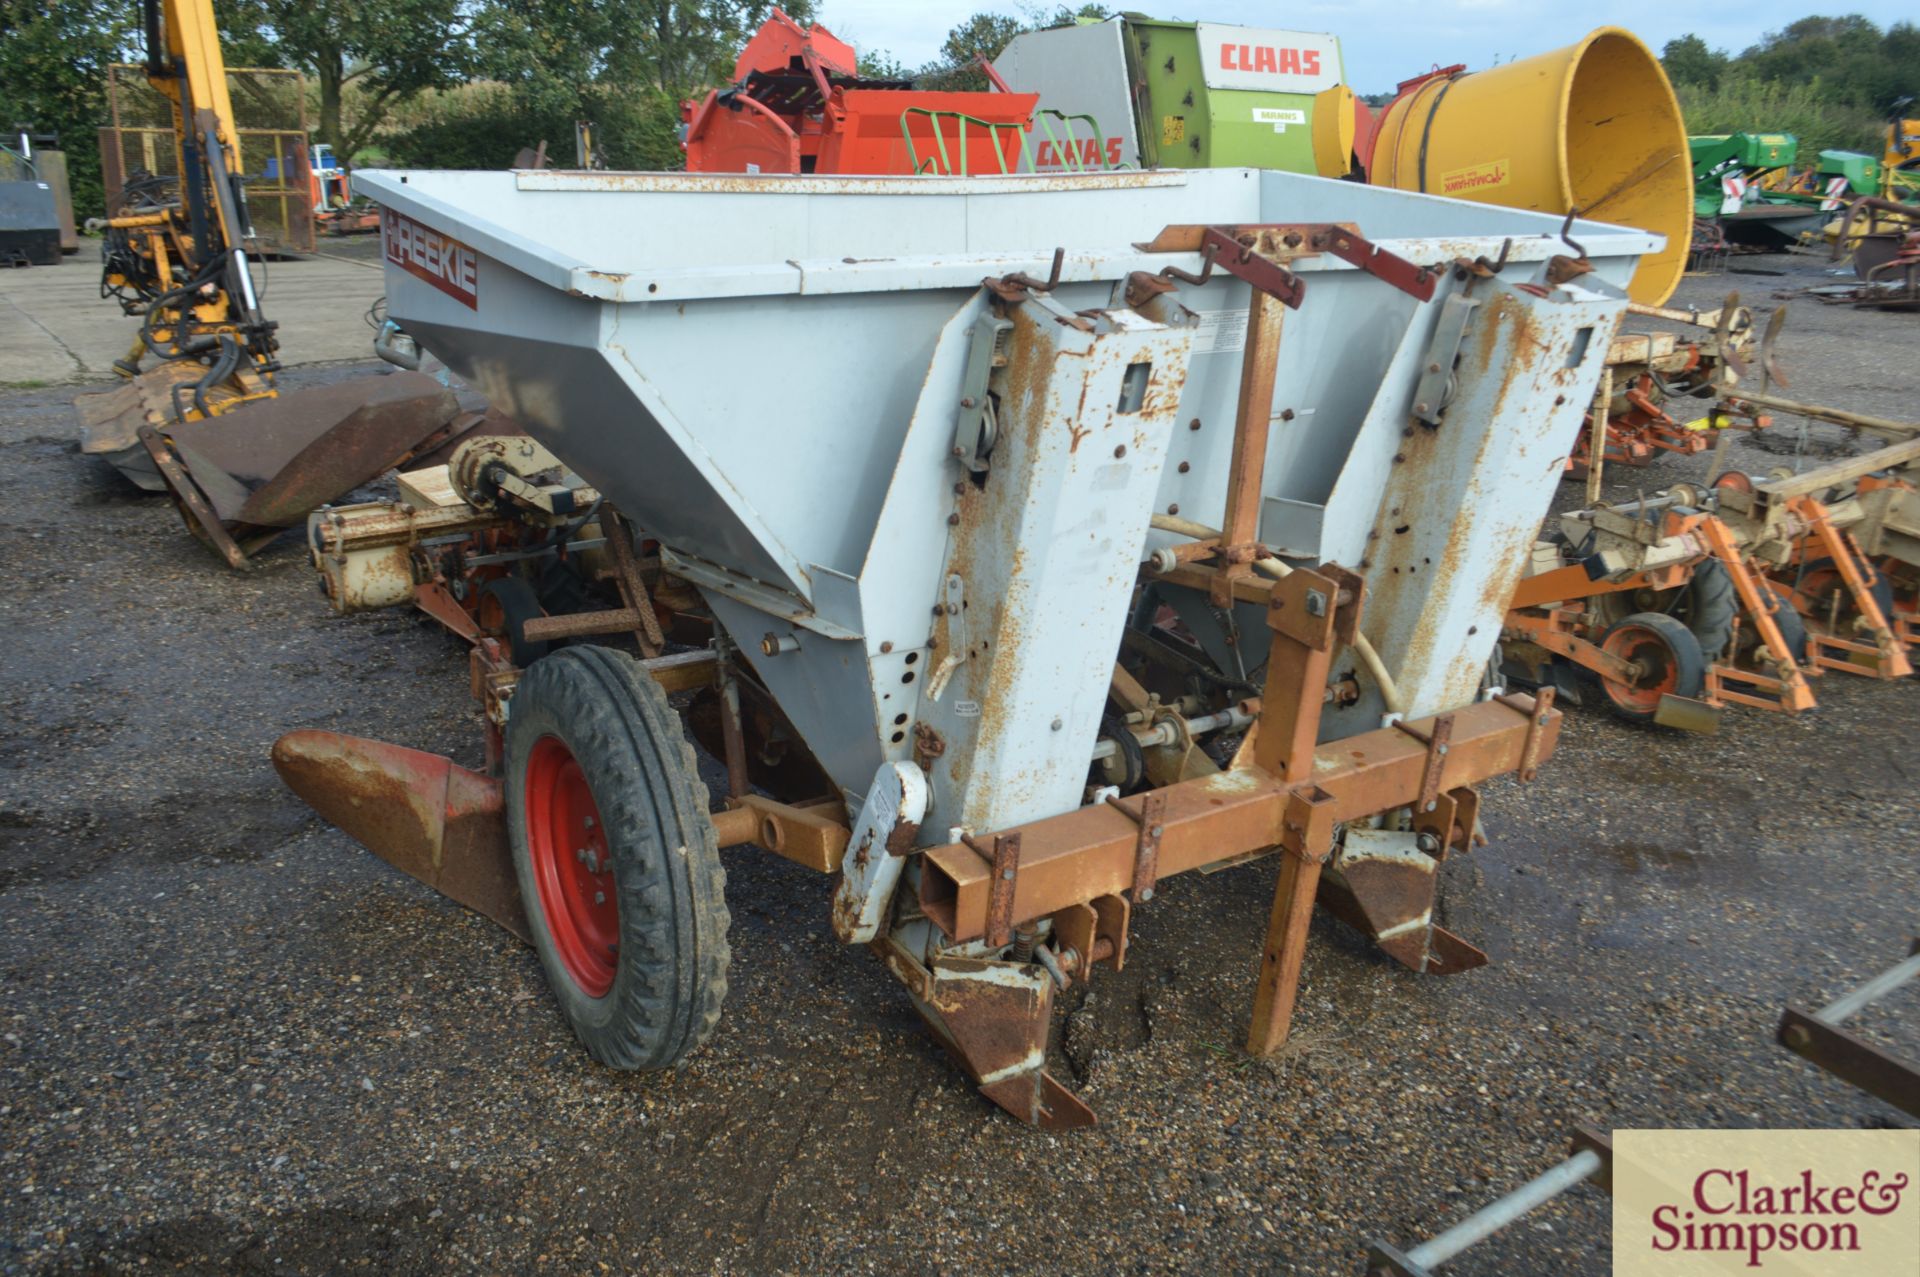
(572,867)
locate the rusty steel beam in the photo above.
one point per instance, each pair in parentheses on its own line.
(1085,854)
(810,835)
(1851,1058)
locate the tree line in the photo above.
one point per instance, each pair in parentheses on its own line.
(467,83)
(1832,82)
(447,83)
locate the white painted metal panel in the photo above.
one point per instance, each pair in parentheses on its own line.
(1077,70)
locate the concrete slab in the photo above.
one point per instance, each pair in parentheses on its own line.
(56,328)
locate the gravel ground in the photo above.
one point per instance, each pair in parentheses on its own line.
(231,1040)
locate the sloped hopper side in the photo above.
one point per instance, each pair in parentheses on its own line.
(766,373)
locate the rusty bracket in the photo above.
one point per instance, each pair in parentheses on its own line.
(1264,273)
(1437,743)
(1144,286)
(188,495)
(1017,287)
(1535,715)
(632,586)
(1818,1036)
(1316,607)
(1587,1139)
(1146,854)
(1852,1059)
(1005,859)
(1307,824)
(1351,246)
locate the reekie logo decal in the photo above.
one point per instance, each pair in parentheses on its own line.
(426,254)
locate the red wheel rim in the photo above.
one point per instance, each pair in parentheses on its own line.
(1659,671)
(567,842)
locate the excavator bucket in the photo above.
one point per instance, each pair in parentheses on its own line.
(242,475)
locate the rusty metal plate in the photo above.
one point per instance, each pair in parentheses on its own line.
(310,447)
(995,1017)
(419,812)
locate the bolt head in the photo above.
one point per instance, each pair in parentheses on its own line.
(1146,894)
(599,897)
(1057,724)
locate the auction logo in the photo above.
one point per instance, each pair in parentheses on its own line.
(426,254)
(1831,1203)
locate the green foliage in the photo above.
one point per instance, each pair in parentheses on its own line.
(878,64)
(1817,117)
(53,75)
(985,34)
(623,65)
(383,52)
(1829,81)
(1689,61)
(485,125)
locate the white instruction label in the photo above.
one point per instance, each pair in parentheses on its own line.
(1279,119)
(1220,330)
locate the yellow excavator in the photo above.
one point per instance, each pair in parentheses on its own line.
(199,415)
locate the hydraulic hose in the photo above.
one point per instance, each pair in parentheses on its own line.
(1272,567)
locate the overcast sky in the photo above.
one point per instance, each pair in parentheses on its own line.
(1385,41)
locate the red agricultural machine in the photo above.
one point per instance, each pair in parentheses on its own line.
(799,104)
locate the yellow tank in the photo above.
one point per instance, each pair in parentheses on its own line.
(1593,126)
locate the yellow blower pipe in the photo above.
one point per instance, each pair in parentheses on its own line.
(1593,127)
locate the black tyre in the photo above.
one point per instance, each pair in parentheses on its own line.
(1793,629)
(1667,661)
(506,605)
(616,858)
(1819,580)
(1708,607)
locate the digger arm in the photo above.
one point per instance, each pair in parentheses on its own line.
(185,65)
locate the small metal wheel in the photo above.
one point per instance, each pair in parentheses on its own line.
(1819,582)
(507,603)
(1666,660)
(616,858)
(1707,605)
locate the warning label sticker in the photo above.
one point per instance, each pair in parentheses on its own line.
(1220,330)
